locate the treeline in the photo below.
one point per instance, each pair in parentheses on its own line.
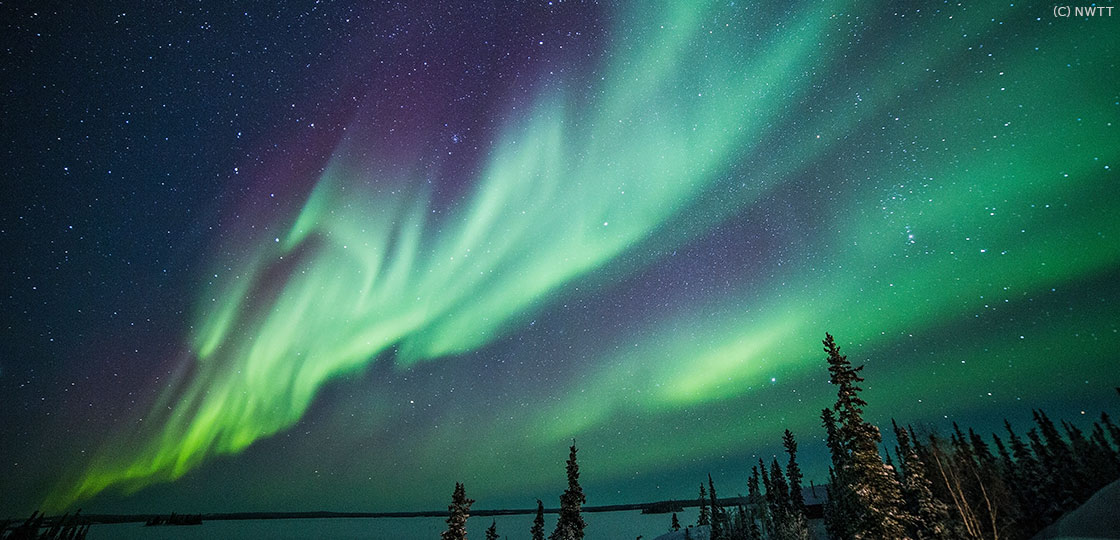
(960,487)
(957,487)
(569,526)
(775,505)
(38,527)
(174,519)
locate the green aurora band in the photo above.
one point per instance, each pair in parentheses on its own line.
(991,195)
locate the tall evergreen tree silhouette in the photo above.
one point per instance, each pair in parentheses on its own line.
(717,530)
(879,508)
(676,525)
(537,531)
(931,516)
(459,508)
(757,503)
(789,524)
(570,525)
(793,472)
(1013,479)
(1082,450)
(839,507)
(705,513)
(1028,476)
(1059,464)
(777,492)
(994,497)
(1113,430)
(1104,458)
(492,532)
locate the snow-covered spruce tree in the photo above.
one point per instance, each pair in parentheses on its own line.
(460,509)
(537,531)
(705,516)
(793,472)
(717,530)
(492,532)
(879,509)
(930,514)
(570,525)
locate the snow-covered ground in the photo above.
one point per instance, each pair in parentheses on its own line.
(1099,517)
(693,532)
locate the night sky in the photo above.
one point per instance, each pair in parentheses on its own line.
(321,256)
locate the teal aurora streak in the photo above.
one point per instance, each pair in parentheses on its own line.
(946,173)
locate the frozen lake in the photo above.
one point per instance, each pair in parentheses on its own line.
(600,526)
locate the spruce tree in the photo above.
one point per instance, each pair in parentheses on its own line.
(570,525)
(982,452)
(1059,464)
(753,532)
(764,473)
(793,472)
(1113,430)
(1007,464)
(777,492)
(1012,478)
(492,532)
(537,531)
(789,523)
(1052,496)
(1028,481)
(879,508)
(930,515)
(839,511)
(717,514)
(889,462)
(995,497)
(1082,450)
(757,505)
(1104,459)
(676,525)
(740,528)
(1094,456)
(1100,439)
(832,440)
(459,508)
(705,516)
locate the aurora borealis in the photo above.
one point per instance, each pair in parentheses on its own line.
(387,246)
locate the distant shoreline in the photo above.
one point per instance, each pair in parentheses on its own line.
(230,516)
